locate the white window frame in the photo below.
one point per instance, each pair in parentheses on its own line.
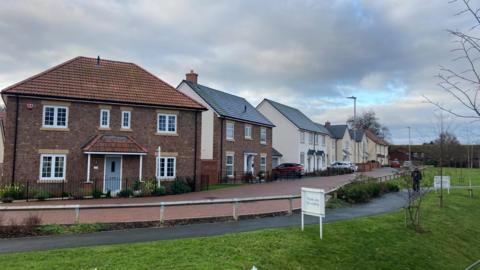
(129,119)
(248,135)
(230,126)
(302,156)
(167,117)
(263,135)
(302,137)
(159,171)
(311,138)
(52,167)
(228,165)
(55,116)
(263,167)
(101,118)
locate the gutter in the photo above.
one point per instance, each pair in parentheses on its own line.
(195,152)
(14,160)
(222,122)
(99,101)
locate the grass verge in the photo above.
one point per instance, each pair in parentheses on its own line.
(380,242)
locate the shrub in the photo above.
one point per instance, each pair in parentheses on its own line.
(42,194)
(391,187)
(137,185)
(159,191)
(108,194)
(65,194)
(96,193)
(12,192)
(179,187)
(149,187)
(364,190)
(125,193)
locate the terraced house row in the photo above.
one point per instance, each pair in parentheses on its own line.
(95,123)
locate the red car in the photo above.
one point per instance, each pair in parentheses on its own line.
(288,170)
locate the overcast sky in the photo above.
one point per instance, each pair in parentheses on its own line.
(306,54)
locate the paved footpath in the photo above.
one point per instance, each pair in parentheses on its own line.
(387,203)
(287,187)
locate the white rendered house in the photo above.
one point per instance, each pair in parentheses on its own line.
(296,137)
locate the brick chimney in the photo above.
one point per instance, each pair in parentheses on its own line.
(191,77)
(327,124)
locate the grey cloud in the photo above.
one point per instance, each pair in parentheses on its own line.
(297,52)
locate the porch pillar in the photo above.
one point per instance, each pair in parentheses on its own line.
(140,168)
(88,168)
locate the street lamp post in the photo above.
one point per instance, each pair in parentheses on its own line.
(354,125)
(409,146)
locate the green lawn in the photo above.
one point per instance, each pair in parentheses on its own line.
(458,176)
(220,186)
(381,242)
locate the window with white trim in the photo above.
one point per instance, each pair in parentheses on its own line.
(302,137)
(248,131)
(310,138)
(230,134)
(263,135)
(52,167)
(229,165)
(322,138)
(166,167)
(166,123)
(126,119)
(302,158)
(55,116)
(263,163)
(104,118)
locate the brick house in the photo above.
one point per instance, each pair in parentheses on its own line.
(93,121)
(236,137)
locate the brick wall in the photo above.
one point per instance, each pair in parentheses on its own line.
(240,145)
(83,124)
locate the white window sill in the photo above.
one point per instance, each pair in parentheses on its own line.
(166,133)
(104,128)
(230,140)
(51,181)
(264,143)
(126,129)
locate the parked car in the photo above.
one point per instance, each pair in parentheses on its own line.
(407,164)
(344,165)
(395,163)
(288,170)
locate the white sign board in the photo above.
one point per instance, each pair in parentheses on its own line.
(313,204)
(444,183)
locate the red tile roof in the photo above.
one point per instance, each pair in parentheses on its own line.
(114,144)
(375,138)
(82,78)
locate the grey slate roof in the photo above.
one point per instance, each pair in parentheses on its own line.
(360,134)
(296,117)
(275,153)
(229,106)
(325,130)
(337,131)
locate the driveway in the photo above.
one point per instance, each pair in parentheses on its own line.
(287,187)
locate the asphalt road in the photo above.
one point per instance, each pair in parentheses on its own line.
(387,203)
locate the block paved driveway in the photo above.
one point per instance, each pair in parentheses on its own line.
(286,187)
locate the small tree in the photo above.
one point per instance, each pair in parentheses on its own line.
(414,203)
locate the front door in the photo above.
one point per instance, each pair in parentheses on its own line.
(113,168)
(249,163)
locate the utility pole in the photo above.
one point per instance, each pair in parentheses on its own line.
(409,146)
(354,126)
(442,138)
